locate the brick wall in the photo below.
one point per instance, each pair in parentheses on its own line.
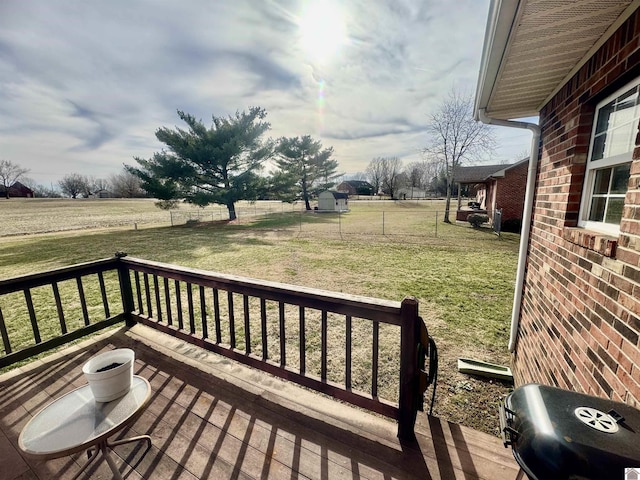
(510,192)
(580,318)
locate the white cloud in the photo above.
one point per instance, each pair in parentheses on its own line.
(84,85)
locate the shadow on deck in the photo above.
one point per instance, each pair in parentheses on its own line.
(209,417)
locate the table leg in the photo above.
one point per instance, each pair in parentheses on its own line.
(139,438)
(104,447)
(112,465)
(85,466)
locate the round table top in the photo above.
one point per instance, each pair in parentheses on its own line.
(75,421)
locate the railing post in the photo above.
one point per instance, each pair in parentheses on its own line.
(409,384)
(126,291)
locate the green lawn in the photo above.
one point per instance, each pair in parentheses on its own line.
(462,277)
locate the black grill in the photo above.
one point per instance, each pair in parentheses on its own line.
(558,434)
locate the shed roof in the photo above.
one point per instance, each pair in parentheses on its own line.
(337,195)
(533,47)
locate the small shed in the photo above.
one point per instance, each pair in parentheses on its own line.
(330,201)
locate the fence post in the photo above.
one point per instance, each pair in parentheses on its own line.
(409,383)
(383,222)
(436,224)
(126,291)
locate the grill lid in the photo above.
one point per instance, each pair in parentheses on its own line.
(560,434)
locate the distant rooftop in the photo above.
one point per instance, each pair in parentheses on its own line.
(482,173)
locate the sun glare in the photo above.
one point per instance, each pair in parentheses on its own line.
(323,30)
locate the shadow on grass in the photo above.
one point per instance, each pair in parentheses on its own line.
(173,244)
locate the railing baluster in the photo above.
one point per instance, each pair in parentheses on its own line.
(232,321)
(167,300)
(374,359)
(179,305)
(5,336)
(323,341)
(192,317)
(216,315)
(103,293)
(32,316)
(263,324)
(126,293)
(247,327)
(347,359)
(156,289)
(203,313)
(56,296)
(136,276)
(283,336)
(147,293)
(303,343)
(83,301)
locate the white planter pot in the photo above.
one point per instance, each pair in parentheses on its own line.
(113,381)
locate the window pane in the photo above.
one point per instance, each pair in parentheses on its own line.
(627,100)
(614,210)
(601,184)
(598,147)
(603,118)
(596,214)
(620,181)
(619,139)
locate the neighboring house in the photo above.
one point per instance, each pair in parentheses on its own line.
(576,315)
(496,187)
(17,190)
(409,193)
(356,187)
(329,201)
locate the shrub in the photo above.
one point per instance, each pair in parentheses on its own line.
(477,219)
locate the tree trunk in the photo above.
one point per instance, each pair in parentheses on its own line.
(447,204)
(231,207)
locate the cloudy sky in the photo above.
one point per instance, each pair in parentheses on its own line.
(85,84)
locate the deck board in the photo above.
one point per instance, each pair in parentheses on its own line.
(209,417)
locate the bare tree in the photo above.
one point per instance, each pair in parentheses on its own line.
(127,185)
(73,184)
(374,174)
(455,137)
(9,174)
(391,171)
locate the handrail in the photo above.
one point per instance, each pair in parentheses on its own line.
(33,280)
(386,311)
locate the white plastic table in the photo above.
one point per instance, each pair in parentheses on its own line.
(76,422)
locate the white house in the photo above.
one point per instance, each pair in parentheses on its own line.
(329,201)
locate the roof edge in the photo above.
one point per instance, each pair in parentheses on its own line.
(500,20)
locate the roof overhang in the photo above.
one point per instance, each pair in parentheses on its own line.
(533,47)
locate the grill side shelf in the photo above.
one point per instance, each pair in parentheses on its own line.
(509,434)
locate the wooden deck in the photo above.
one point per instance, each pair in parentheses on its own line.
(210,417)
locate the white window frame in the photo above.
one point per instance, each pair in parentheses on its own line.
(593,166)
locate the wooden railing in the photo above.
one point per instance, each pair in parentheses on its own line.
(270,326)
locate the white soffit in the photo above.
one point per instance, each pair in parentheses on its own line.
(548,40)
